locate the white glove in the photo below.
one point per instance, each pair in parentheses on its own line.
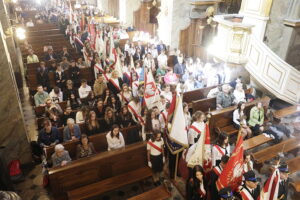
(149,164)
(164,159)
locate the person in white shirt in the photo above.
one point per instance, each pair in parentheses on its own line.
(239,120)
(84,89)
(220,149)
(155,156)
(187,115)
(163,117)
(30,23)
(152,124)
(167,93)
(239,93)
(115,139)
(56,95)
(214,92)
(149,62)
(197,127)
(162,60)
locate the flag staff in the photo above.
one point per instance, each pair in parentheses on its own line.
(176,166)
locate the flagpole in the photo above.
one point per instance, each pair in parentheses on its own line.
(176,166)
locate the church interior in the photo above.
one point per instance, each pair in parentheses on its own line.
(150,99)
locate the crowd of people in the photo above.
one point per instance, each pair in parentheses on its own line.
(115,101)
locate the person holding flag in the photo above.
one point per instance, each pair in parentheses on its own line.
(214,176)
(276,187)
(155,156)
(151,93)
(232,174)
(250,188)
(226,194)
(196,185)
(221,148)
(197,127)
(115,83)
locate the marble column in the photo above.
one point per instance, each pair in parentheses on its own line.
(13,132)
(4,19)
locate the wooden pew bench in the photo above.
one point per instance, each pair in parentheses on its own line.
(286,112)
(158,193)
(110,184)
(272,151)
(204,104)
(101,166)
(294,164)
(98,140)
(40,110)
(296,186)
(198,94)
(222,120)
(256,141)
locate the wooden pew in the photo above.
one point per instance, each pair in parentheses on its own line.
(286,112)
(40,110)
(256,141)
(294,164)
(96,168)
(204,104)
(221,120)
(296,186)
(272,151)
(198,94)
(98,140)
(158,193)
(110,184)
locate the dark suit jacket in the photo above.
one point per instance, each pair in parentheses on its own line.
(48,57)
(283,190)
(43,77)
(113,89)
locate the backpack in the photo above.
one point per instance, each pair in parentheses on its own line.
(15,170)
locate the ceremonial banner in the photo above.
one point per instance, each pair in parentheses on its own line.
(232,174)
(177,139)
(92,32)
(270,190)
(151,94)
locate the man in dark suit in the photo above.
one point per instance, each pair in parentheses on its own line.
(42,76)
(284,182)
(250,188)
(214,175)
(161,47)
(50,55)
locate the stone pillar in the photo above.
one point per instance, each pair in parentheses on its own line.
(290,46)
(10,43)
(256,12)
(13,132)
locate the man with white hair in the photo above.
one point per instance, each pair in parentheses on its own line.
(60,157)
(225,98)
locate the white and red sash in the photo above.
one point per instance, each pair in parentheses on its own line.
(155,146)
(124,98)
(246,194)
(139,117)
(79,41)
(217,170)
(195,128)
(115,84)
(98,66)
(127,75)
(164,116)
(219,149)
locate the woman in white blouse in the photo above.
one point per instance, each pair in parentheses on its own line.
(239,120)
(187,115)
(115,139)
(239,94)
(220,149)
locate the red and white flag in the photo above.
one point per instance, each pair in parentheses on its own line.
(178,133)
(202,153)
(270,190)
(151,94)
(232,174)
